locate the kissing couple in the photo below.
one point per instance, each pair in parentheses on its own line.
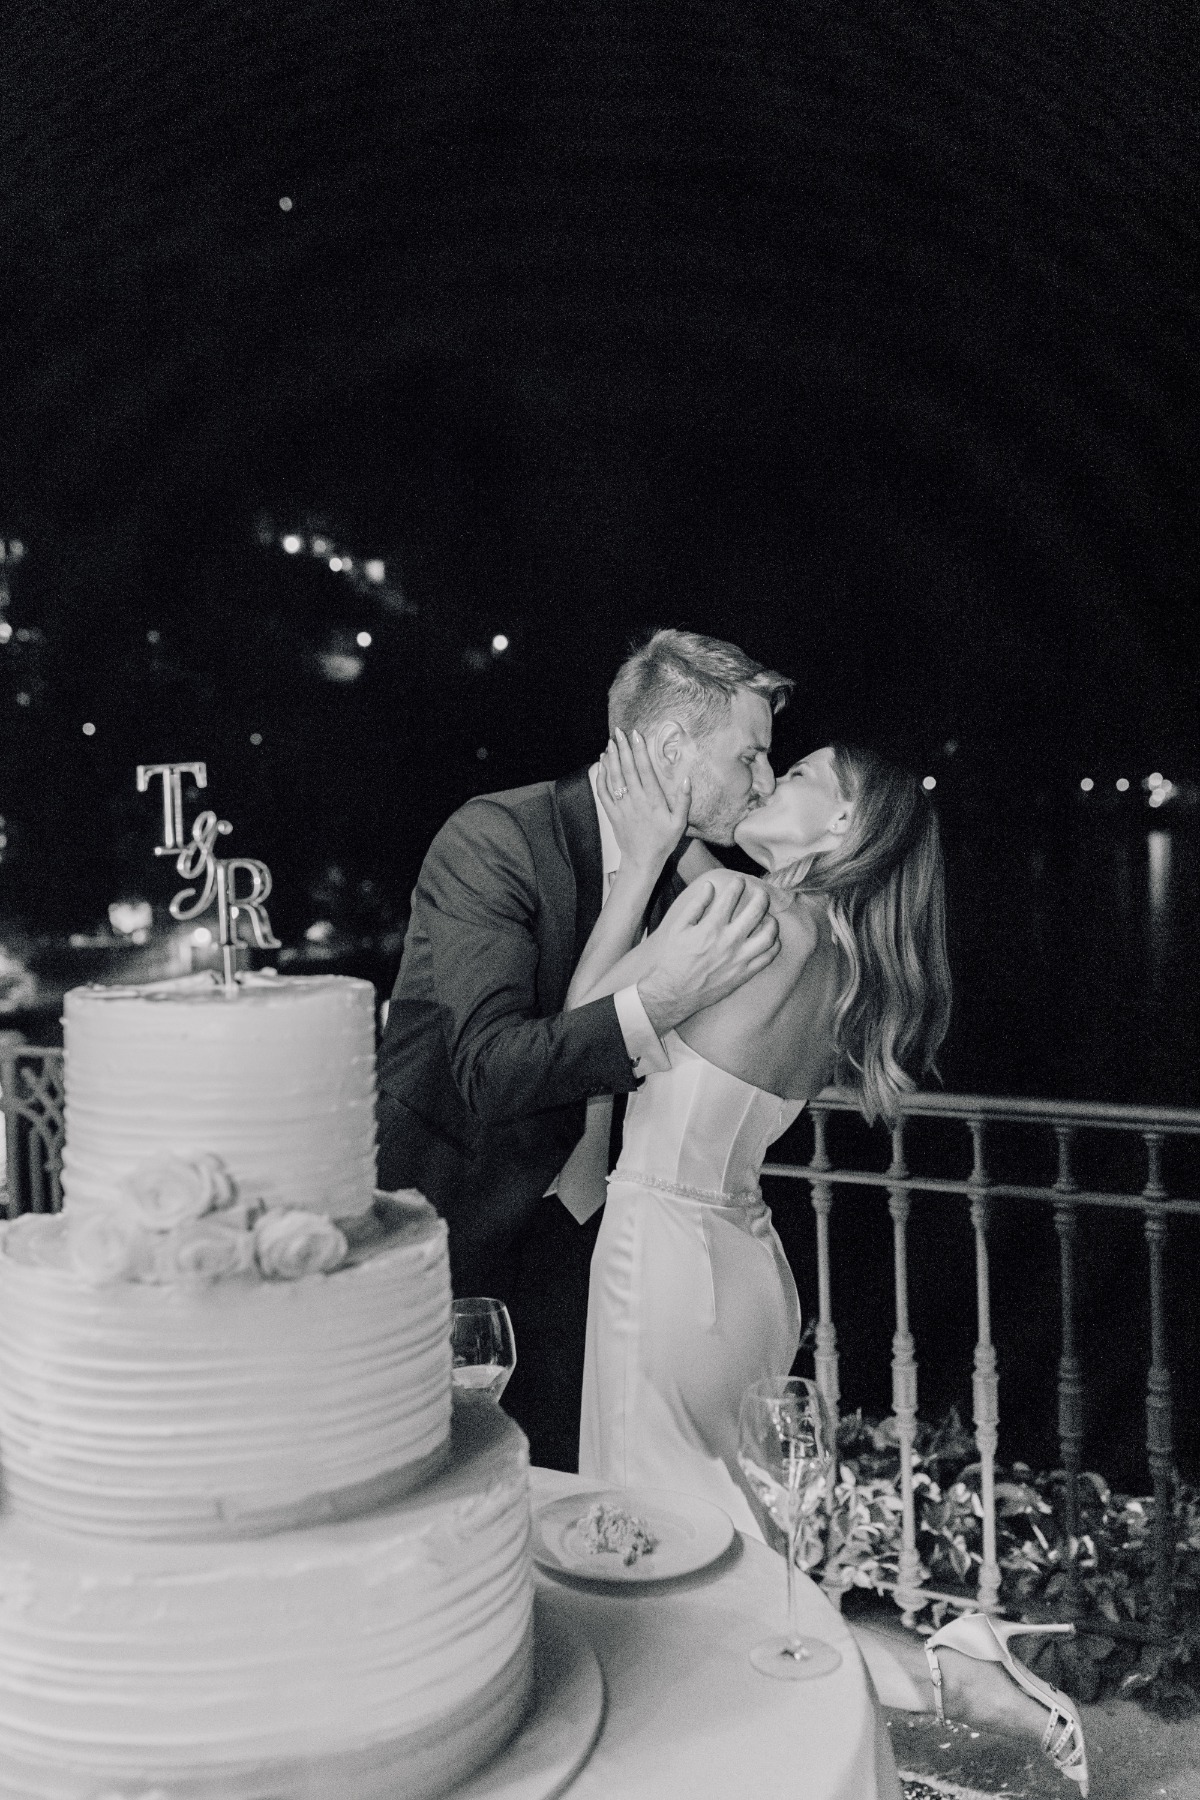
(590,1005)
(597,1032)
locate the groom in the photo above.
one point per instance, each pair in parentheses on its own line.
(493,1101)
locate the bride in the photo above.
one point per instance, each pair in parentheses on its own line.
(691,1296)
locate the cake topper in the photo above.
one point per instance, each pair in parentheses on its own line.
(194,859)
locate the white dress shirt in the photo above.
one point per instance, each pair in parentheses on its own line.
(581,1185)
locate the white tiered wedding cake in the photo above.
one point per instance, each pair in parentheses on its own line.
(246,1553)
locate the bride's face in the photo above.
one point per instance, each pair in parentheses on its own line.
(805,816)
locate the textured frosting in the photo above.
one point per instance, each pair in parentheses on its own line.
(216,1409)
(386,1656)
(279,1083)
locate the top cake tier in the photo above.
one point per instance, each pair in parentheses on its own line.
(278,1082)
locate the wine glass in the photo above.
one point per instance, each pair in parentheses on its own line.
(787,1454)
(485,1352)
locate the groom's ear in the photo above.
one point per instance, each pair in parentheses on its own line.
(670,743)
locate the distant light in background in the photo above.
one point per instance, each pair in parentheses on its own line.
(292,543)
(1154,781)
(338,665)
(375,570)
(481,753)
(131,916)
(202,935)
(929,783)
(256,737)
(24,699)
(950,746)
(89,729)
(335,563)
(320,931)
(5,631)
(1122,785)
(1087,784)
(499,643)
(320,546)
(285,203)
(153,637)
(363,640)
(1158,845)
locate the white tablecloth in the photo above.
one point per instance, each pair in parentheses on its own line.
(689,1717)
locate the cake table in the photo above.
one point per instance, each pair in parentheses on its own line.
(687,1716)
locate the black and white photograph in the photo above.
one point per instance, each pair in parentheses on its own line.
(599,900)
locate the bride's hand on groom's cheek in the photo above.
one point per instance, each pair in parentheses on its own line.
(647,822)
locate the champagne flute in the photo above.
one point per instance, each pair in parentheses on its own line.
(787,1454)
(485,1352)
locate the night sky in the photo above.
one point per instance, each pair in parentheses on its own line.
(863,335)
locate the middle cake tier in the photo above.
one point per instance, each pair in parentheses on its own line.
(227,1408)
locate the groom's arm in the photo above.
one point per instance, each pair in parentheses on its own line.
(477,898)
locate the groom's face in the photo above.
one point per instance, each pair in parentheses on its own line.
(730,769)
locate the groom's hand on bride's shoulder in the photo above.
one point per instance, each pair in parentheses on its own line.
(717,934)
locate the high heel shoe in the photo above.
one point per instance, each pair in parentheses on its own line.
(986,1640)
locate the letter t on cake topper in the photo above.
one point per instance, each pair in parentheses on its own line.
(172,797)
(194,858)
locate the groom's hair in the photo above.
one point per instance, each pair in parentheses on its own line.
(686,676)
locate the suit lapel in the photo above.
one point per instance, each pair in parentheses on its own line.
(576,805)
(577,814)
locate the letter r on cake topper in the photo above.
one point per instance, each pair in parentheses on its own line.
(217,876)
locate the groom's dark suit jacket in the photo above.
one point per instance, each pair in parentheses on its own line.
(483,1079)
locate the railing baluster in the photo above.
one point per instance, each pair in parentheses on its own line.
(825,1355)
(36,1169)
(907,1593)
(1158,1388)
(985,1384)
(1070,1375)
(10,1042)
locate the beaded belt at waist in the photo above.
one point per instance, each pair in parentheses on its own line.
(705,1196)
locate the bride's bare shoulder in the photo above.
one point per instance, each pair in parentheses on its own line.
(722,880)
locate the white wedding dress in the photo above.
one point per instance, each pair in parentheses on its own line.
(691,1295)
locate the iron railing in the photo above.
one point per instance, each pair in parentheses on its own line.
(981,1118)
(31,1102)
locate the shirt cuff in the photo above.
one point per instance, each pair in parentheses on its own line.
(641,1040)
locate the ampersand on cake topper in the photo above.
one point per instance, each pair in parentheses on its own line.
(194,859)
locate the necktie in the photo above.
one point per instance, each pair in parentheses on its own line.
(581,1186)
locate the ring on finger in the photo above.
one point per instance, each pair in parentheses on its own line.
(618,793)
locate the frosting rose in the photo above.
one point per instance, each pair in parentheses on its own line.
(35,1238)
(105,1245)
(167,1190)
(203,1249)
(291,1244)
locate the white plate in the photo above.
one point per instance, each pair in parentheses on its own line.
(691,1534)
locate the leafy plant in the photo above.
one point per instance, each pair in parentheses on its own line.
(1102,1574)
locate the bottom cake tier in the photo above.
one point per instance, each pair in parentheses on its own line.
(382,1658)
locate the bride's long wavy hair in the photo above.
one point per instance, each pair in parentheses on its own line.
(886,890)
